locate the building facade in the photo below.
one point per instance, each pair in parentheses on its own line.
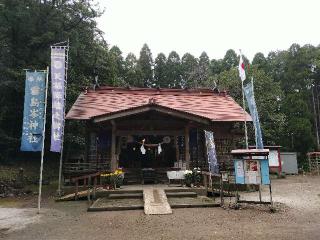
(139,128)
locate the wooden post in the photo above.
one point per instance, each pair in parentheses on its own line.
(205,182)
(177,147)
(113,147)
(271,201)
(317,162)
(260,197)
(309,159)
(89,183)
(186,143)
(221,192)
(94,186)
(87,142)
(77,189)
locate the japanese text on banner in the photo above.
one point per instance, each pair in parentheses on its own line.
(211,152)
(58,99)
(33,113)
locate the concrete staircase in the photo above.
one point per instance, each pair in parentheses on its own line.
(153,200)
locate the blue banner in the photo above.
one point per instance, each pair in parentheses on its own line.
(211,152)
(58,58)
(33,113)
(248,91)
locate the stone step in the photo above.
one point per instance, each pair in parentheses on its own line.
(192,202)
(181,194)
(125,195)
(199,205)
(106,204)
(133,181)
(178,189)
(116,208)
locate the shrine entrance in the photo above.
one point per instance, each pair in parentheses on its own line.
(147,151)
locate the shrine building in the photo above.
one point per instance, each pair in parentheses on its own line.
(149,128)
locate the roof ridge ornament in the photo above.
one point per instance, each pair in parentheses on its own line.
(96,83)
(85,90)
(152,100)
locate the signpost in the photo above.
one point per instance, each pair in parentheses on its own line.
(252,167)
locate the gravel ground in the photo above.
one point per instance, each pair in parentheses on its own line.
(297,217)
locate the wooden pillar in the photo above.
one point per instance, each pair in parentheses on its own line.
(113,147)
(94,186)
(187,147)
(87,142)
(88,192)
(76,190)
(176,145)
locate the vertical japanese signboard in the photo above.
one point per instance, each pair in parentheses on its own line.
(211,152)
(34,111)
(58,58)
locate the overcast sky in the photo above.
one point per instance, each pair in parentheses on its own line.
(213,26)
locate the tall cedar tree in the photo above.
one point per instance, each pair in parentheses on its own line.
(145,65)
(174,70)
(160,71)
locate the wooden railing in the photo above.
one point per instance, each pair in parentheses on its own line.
(90,180)
(207,179)
(78,168)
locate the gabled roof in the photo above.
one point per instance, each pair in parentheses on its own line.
(204,103)
(151,107)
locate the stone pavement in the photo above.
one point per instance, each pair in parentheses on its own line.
(155,201)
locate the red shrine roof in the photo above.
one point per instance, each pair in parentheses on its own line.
(205,103)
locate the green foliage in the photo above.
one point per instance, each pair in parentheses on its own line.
(267,94)
(298,133)
(230,60)
(173,71)
(204,65)
(145,64)
(296,71)
(133,75)
(189,65)
(27,29)
(216,66)
(283,80)
(260,61)
(160,71)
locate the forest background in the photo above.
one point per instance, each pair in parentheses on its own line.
(286,82)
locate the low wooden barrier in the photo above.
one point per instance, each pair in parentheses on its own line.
(88,180)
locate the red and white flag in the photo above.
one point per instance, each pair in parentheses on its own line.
(242,72)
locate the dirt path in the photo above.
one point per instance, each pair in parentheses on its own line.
(298,217)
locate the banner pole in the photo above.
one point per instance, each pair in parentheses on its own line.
(255,130)
(63,125)
(244,115)
(43,138)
